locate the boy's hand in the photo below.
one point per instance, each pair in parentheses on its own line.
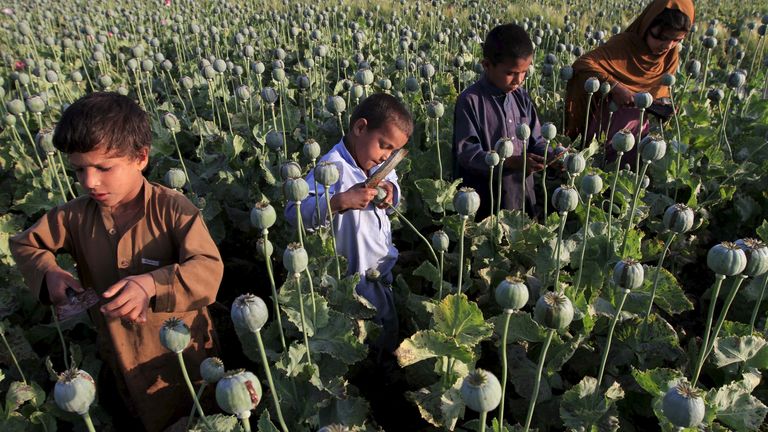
(534,163)
(357,197)
(390,199)
(58,280)
(130,298)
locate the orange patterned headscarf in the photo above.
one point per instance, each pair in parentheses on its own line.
(624,58)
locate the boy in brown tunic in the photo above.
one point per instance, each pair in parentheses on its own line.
(142,247)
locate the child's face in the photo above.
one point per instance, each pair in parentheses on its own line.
(371,147)
(509,74)
(111,180)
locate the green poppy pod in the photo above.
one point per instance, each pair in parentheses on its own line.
(212,370)
(628,274)
(269,95)
(175,178)
(683,406)
(326,173)
(385,84)
(548,131)
(171,122)
(668,80)
(427,71)
(511,294)
(381,195)
(44,141)
(219,65)
(238,392)
(258,67)
(757,256)
(186,83)
(412,84)
(51,76)
(566,73)
(174,335)
(9,120)
(523,132)
(693,68)
(736,80)
(715,95)
(505,147)
(243,93)
(553,310)
(364,77)
(295,189)
(605,88)
(481,391)
(147,65)
(311,149)
(263,216)
(591,85)
(623,141)
(591,184)
(295,258)
(709,42)
(466,201)
(492,158)
(274,141)
(435,109)
(249,312)
(678,218)
(264,248)
(105,81)
(575,163)
(302,82)
(336,105)
(653,148)
(357,91)
(440,241)
(290,169)
(74,391)
(16,107)
(278,75)
(643,100)
(726,259)
(565,199)
(35,104)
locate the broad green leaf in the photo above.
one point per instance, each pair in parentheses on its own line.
(438,407)
(652,342)
(736,407)
(583,405)
(669,294)
(461,319)
(343,297)
(437,194)
(521,327)
(762,231)
(35,201)
(428,271)
(521,372)
(558,355)
(288,297)
(338,340)
(657,381)
(265,423)
(349,411)
(427,344)
(222,423)
(734,349)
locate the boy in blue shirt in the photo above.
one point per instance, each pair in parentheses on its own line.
(379,125)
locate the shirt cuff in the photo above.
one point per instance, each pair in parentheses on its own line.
(164,293)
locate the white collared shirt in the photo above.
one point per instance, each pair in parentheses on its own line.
(364,236)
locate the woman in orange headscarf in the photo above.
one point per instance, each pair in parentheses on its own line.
(631,62)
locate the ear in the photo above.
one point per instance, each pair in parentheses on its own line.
(143,158)
(359,127)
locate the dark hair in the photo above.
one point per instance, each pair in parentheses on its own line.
(379,109)
(507,42)
(103,120)
(672,19)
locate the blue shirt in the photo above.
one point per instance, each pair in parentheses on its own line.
(364,236)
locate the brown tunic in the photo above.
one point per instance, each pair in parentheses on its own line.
(168,239)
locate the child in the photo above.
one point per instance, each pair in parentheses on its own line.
(379,125)
(490,109)
(142,247)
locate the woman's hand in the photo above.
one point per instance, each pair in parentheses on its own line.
(622,96)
